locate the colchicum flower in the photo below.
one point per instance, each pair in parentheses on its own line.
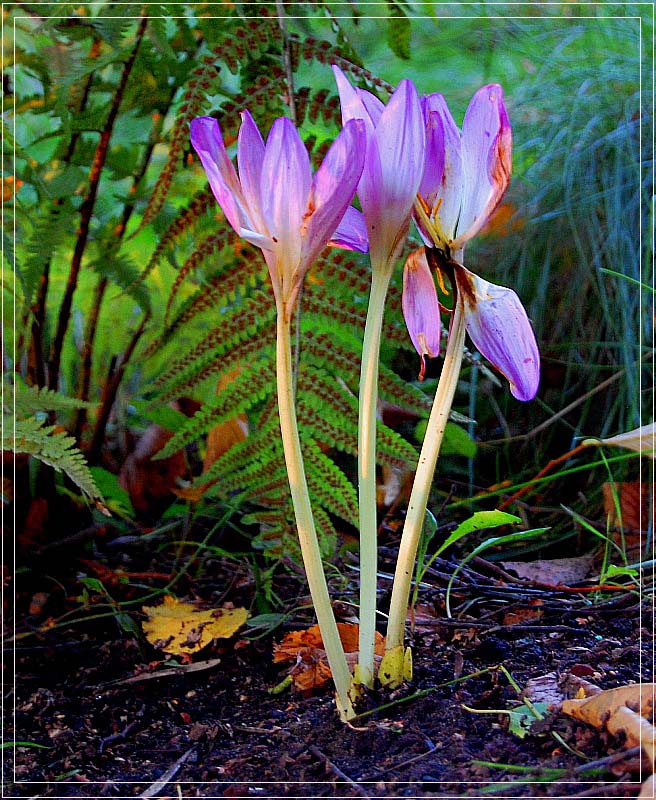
(393,168)
(466,175)
(276,204)
(394,163)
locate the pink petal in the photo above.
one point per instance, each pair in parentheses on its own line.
(400,141)
(372,104)
(250,156)
(354,107)
(333,187)
(352,101)
(351,233)
(208,143)
(284,189)
(444,192)
(434,156)
(421,308)
(499,327)
(486,152)
(260,240)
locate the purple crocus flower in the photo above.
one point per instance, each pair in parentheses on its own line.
(394,163)
(465,176)
(276,203)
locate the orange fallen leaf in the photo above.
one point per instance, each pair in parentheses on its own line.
(305,648)
(518,616)
(182,628)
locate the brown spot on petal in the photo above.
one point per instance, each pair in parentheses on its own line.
(502,164)
(465,284)
(422,370)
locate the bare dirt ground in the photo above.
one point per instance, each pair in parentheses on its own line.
(115,720)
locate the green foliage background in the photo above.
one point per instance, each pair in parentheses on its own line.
(123,256)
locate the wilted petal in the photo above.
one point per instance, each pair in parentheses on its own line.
(500,329)
(351,233)
(250,156)
(421,308)
(284,189)
(486,154)
(208,143)
(333,187)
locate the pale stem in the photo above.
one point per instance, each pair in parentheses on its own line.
(430,450)
(367,472)
(307,534)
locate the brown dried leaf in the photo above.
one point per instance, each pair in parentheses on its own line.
(178,627)
(555,571)
(517,616)
(544,689)
(634,499)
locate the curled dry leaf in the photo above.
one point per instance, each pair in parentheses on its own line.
(624,712)
(178,627)
(305,648)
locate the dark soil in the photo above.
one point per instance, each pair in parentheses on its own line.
(113,727)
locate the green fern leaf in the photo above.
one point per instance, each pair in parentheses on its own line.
(52,447)
(241,394)
(212,362)
(30,400)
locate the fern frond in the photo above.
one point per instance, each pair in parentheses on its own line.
(328,485)
(204,250)
(122,271)
(325,350)
(33,399)
(49,233)
(184,220)
(238,47)
(219,291)
(203,79)
(51,446)
(213,358)
(313,50)
(241,395)
(244,452)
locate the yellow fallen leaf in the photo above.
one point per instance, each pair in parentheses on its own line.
(178,627)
